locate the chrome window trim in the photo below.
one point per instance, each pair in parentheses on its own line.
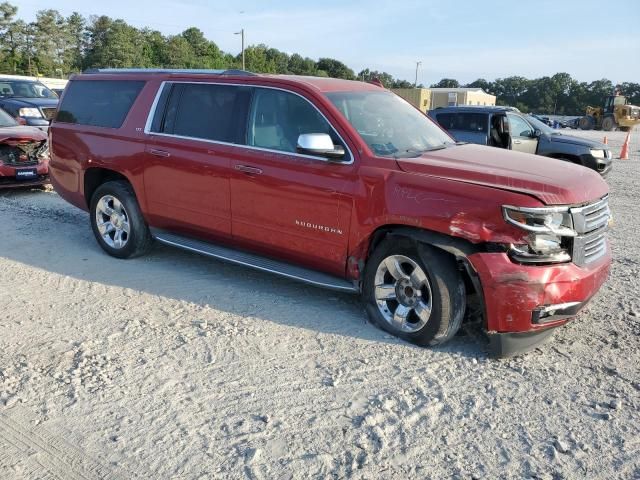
(154,106)
(164,84)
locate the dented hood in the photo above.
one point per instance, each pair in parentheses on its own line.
(10,134)
(553,182)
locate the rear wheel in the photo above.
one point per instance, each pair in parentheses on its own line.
(117,221)
(414,291)
(608,124)
(587,123)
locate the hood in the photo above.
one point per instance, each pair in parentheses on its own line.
(553,182)
(31,102)
(562,138)
(8,134)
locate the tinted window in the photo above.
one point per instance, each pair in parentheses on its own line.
(466,121)
(6,120)
(210,112)
(24,89)
(100,103)
(519,127)
(277,118)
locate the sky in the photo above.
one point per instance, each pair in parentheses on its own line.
(464,40)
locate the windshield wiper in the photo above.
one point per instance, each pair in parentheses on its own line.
(414,152)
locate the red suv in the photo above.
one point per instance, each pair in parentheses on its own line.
(339,184)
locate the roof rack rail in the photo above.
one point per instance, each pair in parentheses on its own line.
(170,71)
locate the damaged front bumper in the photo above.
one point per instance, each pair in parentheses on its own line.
(524,303)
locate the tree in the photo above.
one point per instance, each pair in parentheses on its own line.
(403,84)
(335,68)
(446,83)
(115,44)
(77,35)
(481,83)
(510,90)
(301,66)
(54,43)
(178,53)
(631,91)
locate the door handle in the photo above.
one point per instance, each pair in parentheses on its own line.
(250,170)
(158,153)
(517,142)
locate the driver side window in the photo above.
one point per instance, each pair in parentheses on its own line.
(519,127)
(277,118)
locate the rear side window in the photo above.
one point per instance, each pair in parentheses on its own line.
(99,103)
(199,110)
(465,121)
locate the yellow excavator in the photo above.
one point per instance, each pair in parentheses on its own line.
(617,113)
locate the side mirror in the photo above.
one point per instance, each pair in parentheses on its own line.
(536,133)
(319,144)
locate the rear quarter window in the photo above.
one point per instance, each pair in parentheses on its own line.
(99,103)
(464,121)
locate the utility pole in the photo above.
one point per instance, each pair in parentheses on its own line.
(415,85)
(241,33)
(29,33)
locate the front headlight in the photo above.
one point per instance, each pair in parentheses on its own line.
(556,220)
(598,153)
(29,112)
(549,229)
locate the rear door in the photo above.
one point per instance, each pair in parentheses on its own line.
(522,134)
(187,168)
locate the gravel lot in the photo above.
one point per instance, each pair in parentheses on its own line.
(177,366)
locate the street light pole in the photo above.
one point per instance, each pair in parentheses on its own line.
(415,85)
(241,33)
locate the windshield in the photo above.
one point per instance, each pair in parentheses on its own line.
(389,125)
(24,89)
(543,127)
(6,120)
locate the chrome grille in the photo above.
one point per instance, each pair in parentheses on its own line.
(48,112)
(591,217)
(591,222)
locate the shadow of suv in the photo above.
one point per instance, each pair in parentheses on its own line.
(507,128)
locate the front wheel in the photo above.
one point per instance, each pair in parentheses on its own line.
(117,221)
(414,291)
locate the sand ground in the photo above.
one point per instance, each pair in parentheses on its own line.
(178,366)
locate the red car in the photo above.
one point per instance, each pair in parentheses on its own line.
(339,184)
(24,155)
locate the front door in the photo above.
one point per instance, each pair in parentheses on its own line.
(523,137)
(187,168)
(289,205)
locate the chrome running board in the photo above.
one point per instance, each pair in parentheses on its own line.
(258,262)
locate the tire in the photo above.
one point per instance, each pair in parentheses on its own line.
(608,124)
(442,289)
(116,198)
(587,123)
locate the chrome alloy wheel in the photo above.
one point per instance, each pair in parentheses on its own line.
(112,221)
(403,293)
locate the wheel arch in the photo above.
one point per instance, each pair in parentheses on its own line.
(96,176)
(459,248)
